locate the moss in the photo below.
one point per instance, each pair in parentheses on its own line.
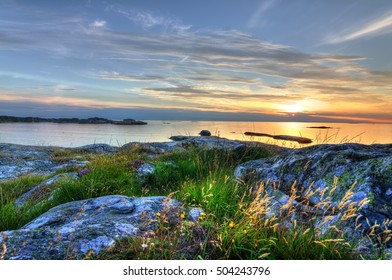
(370,196)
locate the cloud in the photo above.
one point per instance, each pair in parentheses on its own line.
(381,25)
(224,70)
(61,87)
(98,23)
(148,20)
(257,15)
(128,77)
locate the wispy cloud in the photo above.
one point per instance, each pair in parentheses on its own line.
(264,6)
(149,20)
(381,25)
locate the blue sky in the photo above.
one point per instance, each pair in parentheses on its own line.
(271,60)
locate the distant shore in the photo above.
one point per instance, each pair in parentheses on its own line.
(9,119)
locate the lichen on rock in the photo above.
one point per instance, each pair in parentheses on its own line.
(74,229)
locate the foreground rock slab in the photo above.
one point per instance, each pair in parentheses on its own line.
(75,229)
(19,160)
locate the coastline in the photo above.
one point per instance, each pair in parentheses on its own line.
(94,120)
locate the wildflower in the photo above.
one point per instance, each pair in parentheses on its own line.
(182,216)
(232,224)
(244,231)
(158,214)
(202,214)
(233,241)
(144,246)
(84,172)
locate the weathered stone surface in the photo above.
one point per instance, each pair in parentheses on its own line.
(183,143)
(316,169)
(44,189)
(194,213)
(74,229)
(98,148)
(146,169)
(18,160)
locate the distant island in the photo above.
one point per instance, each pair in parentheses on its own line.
(9,119)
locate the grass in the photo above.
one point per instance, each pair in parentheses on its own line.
(236,223)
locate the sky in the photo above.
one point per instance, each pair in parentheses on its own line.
(266,60)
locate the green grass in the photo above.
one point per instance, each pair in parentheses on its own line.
(234,224)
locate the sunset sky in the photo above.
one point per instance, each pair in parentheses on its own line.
(266,60)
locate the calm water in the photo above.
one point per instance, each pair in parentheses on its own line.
(73,135)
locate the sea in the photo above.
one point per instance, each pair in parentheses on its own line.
(75,135)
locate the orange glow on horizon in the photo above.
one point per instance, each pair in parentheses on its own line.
(348,118)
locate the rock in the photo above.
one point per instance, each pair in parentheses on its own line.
(320,127)
(319,168)
(300,140)
(43,190)
(18,160)
(75,229)
(205,133)
(203,142)
(142,168)
(194,213)
(155,148)
(179,138)
(146,169)
(98,148)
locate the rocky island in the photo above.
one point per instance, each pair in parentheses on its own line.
(196,197)
(95,120)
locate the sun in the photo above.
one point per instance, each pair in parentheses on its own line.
(292,108)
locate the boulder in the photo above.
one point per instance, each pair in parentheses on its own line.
(18,160)
(205,133)
(146,169)
(76,229)
(329,173)
(44,189)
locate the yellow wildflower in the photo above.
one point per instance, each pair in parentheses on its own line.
(232,224)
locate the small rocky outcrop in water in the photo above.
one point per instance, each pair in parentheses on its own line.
(73,229)
(205,133)
(363,171)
